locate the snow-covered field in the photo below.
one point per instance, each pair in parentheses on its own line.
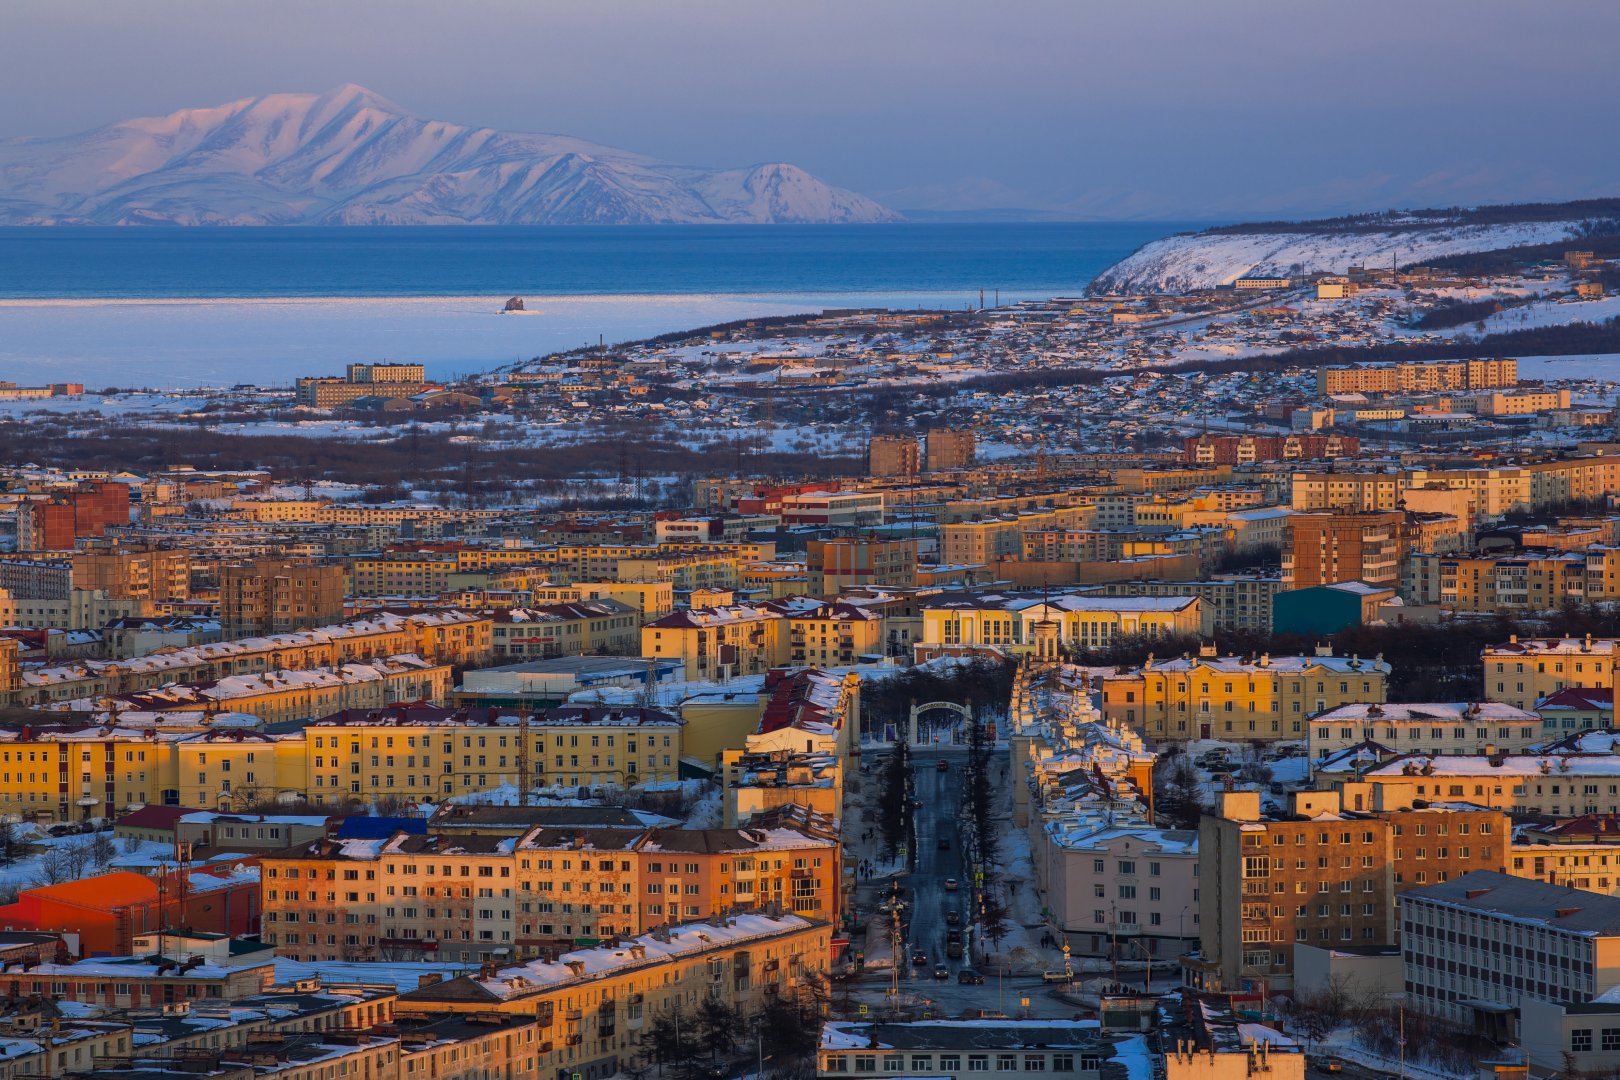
(272,341)
(1204,261)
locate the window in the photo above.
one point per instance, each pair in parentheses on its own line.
(978,1063)
(1580,1040)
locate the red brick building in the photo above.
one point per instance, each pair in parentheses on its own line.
(55,524)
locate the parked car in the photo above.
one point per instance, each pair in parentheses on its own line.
(952,918)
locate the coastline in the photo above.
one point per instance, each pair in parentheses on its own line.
(185,343)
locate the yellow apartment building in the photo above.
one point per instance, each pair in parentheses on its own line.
(1522,671)
(1263,698)
(593,1004)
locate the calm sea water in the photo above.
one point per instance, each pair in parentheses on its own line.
(455,261)
(209,307)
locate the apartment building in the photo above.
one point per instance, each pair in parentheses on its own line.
(893,455)
(589,1026)
(62,518)
(1416,377)
(574,628)
(1207,449)
(1453,727)
(475,898)
(1521,672)
(1120,889)
(444,636)
(1492,583)
(1262,698)
(947,449)
(840,564)
(1579,853)
(1226,602)
(277,596)
(362,381)
(717,642)
(1551,784)
(1322,875)
(1352,492)
(984,541)
(423,753)
(153,574)
(1325,549)
(407,752)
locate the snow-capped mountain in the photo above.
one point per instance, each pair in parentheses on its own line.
(351,157)
(1204,260)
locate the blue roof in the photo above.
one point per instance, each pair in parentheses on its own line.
(379,828)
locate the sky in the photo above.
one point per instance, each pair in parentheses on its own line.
(1159,109)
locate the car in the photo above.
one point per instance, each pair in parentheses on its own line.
(950,884)
(1055,976)
(1331,1067)
(944,843)
(952,918)
(919,959)
(941,971)
(942,765)
(969,977)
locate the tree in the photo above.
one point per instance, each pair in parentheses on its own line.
(100,851)
(669,1039)
(717,1025)
(1180,801)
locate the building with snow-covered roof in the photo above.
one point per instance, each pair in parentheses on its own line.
(1446,727)
(1264,698)
(999,1049)
(1007,621)
(1523,671)
(603,994)
(1576,709)
(1339,865)
(548,887)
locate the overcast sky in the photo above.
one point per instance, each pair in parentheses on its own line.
(1105,108)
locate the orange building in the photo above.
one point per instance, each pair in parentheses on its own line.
(108,911)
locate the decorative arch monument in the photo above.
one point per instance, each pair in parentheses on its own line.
(920,735)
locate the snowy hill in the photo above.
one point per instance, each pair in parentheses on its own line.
(1216,257)
(350,157)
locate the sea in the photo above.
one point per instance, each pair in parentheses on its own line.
(218,307)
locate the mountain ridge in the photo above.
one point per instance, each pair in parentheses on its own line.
(352,157)
(1221,254)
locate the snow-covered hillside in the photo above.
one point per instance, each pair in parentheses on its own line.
(1208,259)
(352,157)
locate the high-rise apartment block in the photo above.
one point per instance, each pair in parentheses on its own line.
(949,449)
(893,455)
(275,596)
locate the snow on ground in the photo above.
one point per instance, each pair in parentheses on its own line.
(218,342)
(1204,261)
(1550,313)
(1599,366)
